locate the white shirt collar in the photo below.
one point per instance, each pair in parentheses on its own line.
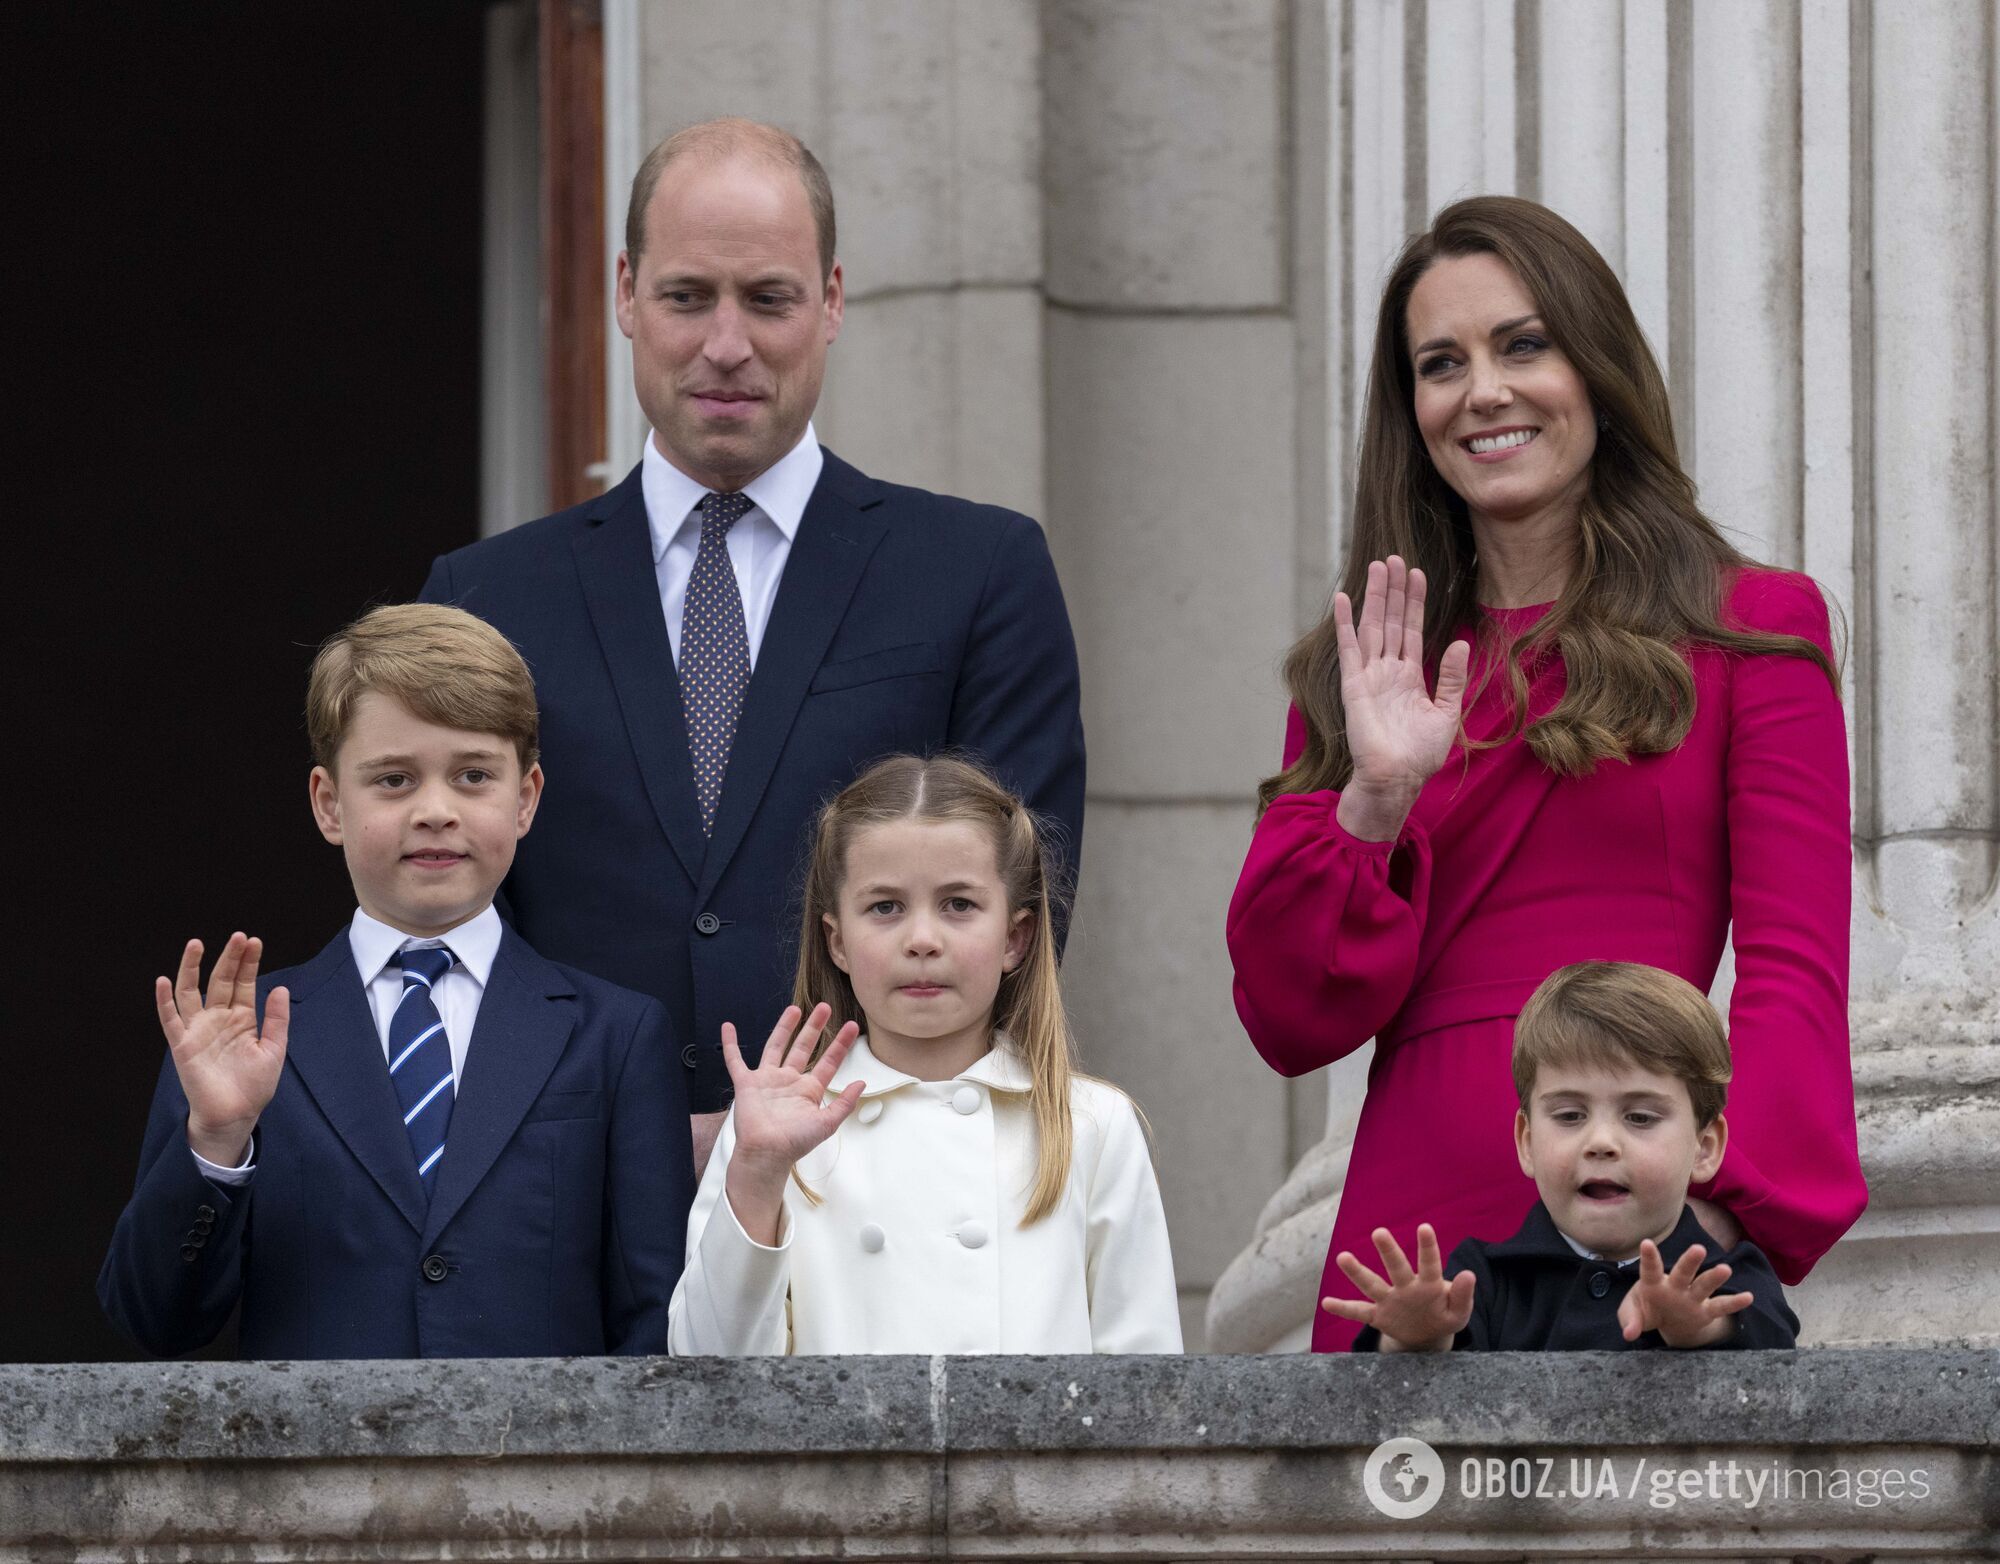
(475,943)
(1000,1067)
(1592,1254)
(780,491)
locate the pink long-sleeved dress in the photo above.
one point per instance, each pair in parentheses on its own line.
(1505,872)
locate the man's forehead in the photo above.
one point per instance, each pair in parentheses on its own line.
(699,195)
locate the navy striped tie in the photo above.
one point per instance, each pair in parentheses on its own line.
(420,1059)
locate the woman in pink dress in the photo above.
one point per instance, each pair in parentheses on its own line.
(1615,737)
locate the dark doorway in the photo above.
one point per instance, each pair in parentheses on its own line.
(250,338)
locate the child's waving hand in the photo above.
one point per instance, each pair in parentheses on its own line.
(228,1069)
(1416,1311)
(781,1112)
(1680,1304)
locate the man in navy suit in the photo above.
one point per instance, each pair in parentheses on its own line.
(728,636)
(431,1142)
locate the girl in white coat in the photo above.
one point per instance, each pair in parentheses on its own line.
(947,1182)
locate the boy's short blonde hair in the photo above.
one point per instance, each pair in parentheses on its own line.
(443,664)
(1620,1013)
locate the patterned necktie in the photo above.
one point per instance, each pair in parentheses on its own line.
(715,651)
(420,1059)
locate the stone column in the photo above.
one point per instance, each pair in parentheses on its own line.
(1173,502)
(1802,202)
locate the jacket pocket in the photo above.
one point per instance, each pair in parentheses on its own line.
(555,1106)
(891,662)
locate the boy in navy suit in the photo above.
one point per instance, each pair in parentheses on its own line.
(1622,1072)
(432,1142)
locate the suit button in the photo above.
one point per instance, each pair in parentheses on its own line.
(872,1239)
(707,923)
(1600,1283)
(435,1268)
(869,1111)
(689,1057)
(972,1234)
(195,1239)
(189,1253)
(966,1099)
(204,1213)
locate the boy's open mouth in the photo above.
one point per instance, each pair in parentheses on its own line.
(1603,1189)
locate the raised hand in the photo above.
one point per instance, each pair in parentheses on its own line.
(782,1112)
(1415,1310)
(228,1069)
(1680,1304)
(1398,733)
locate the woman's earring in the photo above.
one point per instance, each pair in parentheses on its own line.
(1603,420)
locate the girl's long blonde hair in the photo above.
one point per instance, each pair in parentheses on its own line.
(1028,1007)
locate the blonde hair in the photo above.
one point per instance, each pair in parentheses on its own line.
(1621,1013)
(443,664)
(1029,1006)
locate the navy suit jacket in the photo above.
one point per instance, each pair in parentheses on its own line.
(905,621)
(557,1225)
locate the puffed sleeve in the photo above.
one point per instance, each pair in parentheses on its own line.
(1128,1266)
(1791,1173)
(733,1293)
(1323,928)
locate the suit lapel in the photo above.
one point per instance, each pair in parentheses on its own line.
(337,1053)
(523,1025)
(836,536)
(614,560)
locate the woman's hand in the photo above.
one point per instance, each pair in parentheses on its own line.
(1397,733)
(781,1112)
(1415,1311)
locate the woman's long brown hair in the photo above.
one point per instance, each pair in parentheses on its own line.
(1029,1006)
(1650,569)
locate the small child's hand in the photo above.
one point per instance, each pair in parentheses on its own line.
(781,1112)
(1680,1304)
(1416,1311)
(228,1070)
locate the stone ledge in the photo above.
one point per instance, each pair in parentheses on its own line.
(996,1458)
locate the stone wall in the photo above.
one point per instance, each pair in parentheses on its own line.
(998,1458)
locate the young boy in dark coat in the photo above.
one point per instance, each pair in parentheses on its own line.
(1622,1072)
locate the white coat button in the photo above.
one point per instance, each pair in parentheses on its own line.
(872,1239)
(972,1234)
(869,1112)
(966,1099)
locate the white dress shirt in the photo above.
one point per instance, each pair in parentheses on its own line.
(917,1245)
(759,543)
(475,943)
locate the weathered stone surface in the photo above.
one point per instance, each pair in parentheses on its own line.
(1165,153)
(1148,924)
(999,1458)
(1172,501)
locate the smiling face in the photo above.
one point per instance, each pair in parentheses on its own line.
(427,816)
(730,315)
(924,932)
(1505,416)
(1612,1152)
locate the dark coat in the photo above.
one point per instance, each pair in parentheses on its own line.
(905,621)
(1536,1294)
(557,1226)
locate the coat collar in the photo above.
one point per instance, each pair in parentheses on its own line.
(1001,1067)
(1540,1239)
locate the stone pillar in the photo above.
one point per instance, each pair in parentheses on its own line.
(1802,201)
(1173,506)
